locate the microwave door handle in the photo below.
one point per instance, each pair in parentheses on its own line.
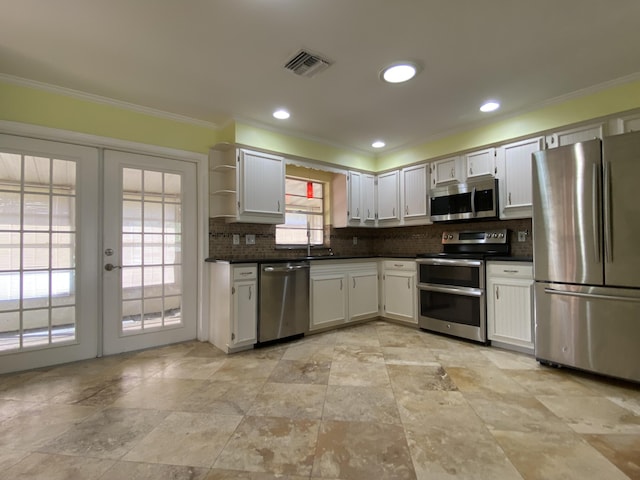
(473,202)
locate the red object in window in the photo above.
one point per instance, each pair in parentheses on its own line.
(309,189)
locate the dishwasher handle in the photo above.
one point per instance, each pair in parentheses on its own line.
(287,268)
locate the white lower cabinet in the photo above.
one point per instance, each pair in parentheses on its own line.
(509,301)
(328,299)
(363,292)
(342,292)
(233,312)
(399,295)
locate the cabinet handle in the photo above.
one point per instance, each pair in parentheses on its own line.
(470,170)
(354,282)
(368,213)
(340,284)
(393,214)
(497,292)
(510,271)
(453,173)
(249,292)
(278,205)
(233,290)
(509,198)
(358,212)
(406,210)
(399,265)
(409,283)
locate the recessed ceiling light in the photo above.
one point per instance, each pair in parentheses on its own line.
(281,114)
(378,144)
(399,72)
(490,106)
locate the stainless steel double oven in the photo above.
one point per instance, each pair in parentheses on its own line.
(451,284)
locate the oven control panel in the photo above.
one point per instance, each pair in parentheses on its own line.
(499,236)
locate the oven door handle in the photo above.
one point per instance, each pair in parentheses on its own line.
(468,292)
(458,262)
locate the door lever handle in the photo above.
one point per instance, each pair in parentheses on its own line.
(109,266)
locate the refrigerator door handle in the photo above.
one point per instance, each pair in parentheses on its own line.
(606,206)
(595,196)
(616,298)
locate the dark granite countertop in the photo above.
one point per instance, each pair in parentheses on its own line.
(301,259)
(510,259)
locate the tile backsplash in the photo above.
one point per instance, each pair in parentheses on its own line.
(370,241)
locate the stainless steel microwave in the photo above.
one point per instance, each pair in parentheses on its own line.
(465,201)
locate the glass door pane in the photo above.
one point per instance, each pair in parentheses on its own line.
(37,251)
(150,245)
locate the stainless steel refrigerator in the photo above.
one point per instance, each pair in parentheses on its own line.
(586,240)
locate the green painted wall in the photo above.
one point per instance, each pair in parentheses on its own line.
(40,107)
(287,145)
(48,109)
(607,102)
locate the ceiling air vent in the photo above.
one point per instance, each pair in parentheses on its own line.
(307,64)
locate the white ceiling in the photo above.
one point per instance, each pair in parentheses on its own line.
(217,60)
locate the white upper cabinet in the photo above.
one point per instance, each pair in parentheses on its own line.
(445,171)
(355,197)
(575,135)
(626,124)
(514,174)
(261,187)
(414,192)
(481,163)
(368,198)
(388,196)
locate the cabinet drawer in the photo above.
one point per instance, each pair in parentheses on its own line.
(407,265)
(245,272)
(510,269)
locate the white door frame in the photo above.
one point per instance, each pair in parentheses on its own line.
(202,165)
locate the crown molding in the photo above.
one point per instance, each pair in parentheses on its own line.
(68,92)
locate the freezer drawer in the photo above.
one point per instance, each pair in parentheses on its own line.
(590,328)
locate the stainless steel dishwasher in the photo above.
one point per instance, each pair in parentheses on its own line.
(283,293)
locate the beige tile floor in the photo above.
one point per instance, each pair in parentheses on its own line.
(373,401)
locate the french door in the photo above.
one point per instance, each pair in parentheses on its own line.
(49,233)
(65,289)
(149,251)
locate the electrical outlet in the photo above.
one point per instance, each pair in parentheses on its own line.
(250,239)
(236,239)
(522,235)
(355,240)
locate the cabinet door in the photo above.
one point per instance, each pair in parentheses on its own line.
(369,198)
(481,163)
(575,135)
(328,300)
(388,197)
(261,187)
(363,294)
(414,180)
(400,295)
(355,197)
(244,316)
(444,172)
(510,315)
(515,176)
